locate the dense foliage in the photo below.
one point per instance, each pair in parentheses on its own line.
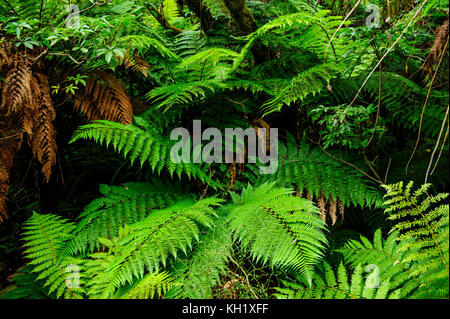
(92,205)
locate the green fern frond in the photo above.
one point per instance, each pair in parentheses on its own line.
(309,82)
(209,64)
(119,206)
(339,285)
(293,234)
(199,272)
(143,42)
(145,245)
(155,284)
(135,143)
(25,286)
(424,224)
(45,237)
(184,93)
(385,256)
(312,170)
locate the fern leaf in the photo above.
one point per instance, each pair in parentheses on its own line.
(293,236)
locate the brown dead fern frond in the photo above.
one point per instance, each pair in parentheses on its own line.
(135,63)
(335,207)
(43,140)
(17,90)
(442,34)
(332,210)
(105,98)
(321,204)
(4,54)
(264,141)
(10,142)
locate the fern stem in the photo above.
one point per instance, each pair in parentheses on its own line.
(55,257)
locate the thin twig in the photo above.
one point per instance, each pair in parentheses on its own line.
(387,52)
(67,55)
(424,106)
(10,5)
(440,152)
(437,144)
(8,137)
(378,109)
(337,30)
(246,276)
(387,170)
(347,163)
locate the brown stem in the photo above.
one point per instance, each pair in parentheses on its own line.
(161,18)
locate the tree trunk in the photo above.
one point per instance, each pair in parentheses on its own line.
(207,21)
(242,15)
(246,24)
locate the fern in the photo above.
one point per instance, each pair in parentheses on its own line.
(134,142)
(312,170)
(208,64)
(200,272)
(311,81)
(424,225)
(293,236)
(339,285)
(145,245)
(45,236)
(145,42)
(387,257)
(155,284)
(183,93)
(120,205)
(24,286)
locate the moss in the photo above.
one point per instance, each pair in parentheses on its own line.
(242,15)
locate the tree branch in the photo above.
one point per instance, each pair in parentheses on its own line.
(158,14)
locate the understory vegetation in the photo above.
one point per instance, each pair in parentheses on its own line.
(92,204)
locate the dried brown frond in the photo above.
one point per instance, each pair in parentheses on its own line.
(233,169)
(442,33)
(105,98)
(4,53)
(297,192)
(308,196)
(341,208)
(264,141)
(43,140)
(17,90)
(10,142)
(136,63)
(333,210)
